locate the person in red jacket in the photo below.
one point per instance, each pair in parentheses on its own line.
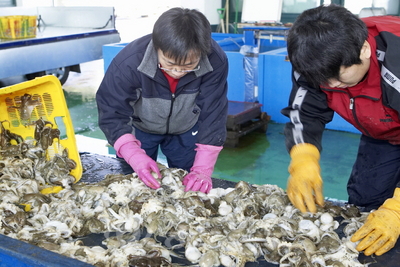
(350,66)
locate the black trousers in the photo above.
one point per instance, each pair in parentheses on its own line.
(375,174)
(178,149)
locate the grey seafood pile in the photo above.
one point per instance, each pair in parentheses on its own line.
(227,227)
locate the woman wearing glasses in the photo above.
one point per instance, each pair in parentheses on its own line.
(168,89)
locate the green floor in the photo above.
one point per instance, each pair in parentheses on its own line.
(263,159)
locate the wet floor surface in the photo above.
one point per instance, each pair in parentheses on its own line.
(259,158)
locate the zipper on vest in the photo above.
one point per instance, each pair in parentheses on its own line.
(351,103)
(170,113)
(365,132)
(352,108)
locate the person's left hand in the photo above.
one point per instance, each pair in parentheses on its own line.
(199,177)
(197,182)
(381,229)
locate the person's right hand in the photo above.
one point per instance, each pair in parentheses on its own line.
(304,186)
(143,165)
(128,147)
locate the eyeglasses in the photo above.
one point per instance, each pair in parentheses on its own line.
(179,71)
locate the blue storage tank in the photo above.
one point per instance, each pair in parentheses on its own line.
(276,84)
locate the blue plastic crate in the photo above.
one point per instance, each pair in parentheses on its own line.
(110,51)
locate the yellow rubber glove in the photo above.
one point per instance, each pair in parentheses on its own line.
(51,190)
(381,229)
(305,183)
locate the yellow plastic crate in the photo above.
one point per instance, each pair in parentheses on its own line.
(47,92)
(17,27)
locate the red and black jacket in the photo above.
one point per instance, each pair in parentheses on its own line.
(372,106)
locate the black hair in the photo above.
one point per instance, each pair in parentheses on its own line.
(323,39)
(181,33)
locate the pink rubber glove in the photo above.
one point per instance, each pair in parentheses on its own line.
(199,177)
(128,147)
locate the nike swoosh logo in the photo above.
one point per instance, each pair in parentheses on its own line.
(194,133)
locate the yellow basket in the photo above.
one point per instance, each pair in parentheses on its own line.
(51,106)
(17,27)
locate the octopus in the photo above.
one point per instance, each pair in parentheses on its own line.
(27,106)
(13,222)
(152,259)
(45,133)
(6,137)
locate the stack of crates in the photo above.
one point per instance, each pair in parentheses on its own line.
(18,27)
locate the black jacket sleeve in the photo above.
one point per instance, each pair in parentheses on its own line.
(308,112)
(116,92)
(213,102)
